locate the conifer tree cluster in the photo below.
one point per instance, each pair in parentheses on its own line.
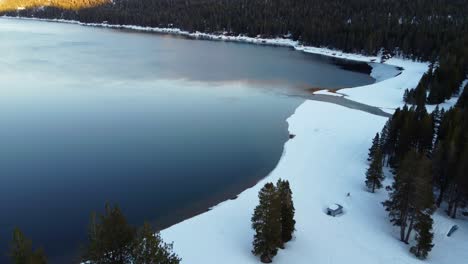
(273,220)
(21,250)
(429,155)
(408,128)
(113,241)
(450,160)
(411,201)
(445,79)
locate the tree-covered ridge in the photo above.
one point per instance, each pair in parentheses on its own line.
(418,28)
(8,5)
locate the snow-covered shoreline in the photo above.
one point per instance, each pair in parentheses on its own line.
(284,42)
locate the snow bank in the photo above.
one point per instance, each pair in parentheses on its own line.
(391,82)
(388,94)
(327,92)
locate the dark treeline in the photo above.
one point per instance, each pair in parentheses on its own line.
(444,79)
(428,154)
(111,240)
(442,137)
(419,29)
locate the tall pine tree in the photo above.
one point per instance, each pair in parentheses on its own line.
(374,174)
(424,208)
(266,221)
(406,200)
(287,210)
(110,239)
(424,236)
(375,146)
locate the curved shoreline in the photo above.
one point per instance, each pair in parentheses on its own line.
(284,42)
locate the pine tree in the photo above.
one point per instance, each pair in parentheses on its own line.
(384,141)
(423,209)
(110,238)
(424,236)
(425,133)
(149,248)
(408,97)
(375,146)
(266,221)
(406,200)
(21,251)
(287,210)
(374,174)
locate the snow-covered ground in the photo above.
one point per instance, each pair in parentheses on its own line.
(388,93)
(325,161)
(391,82)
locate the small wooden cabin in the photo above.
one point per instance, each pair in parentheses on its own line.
(334,210)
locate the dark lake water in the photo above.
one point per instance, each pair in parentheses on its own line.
(163,126)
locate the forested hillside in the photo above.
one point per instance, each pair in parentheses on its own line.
(419,28)
(9,5)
